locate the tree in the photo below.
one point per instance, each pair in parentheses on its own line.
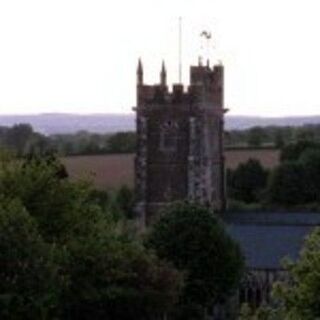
(18,137)
(195,241)
(310,161)
(50,199)
(48,158)
(23,140)
(293,151)
(256,135)
(247,181)
(112,278)
(299,298)
(125,201)
(245,312)
(30,283)
(287,185)
(122,142)
(305,134)
(279,140)
(296,180)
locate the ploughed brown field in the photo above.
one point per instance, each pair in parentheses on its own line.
(115,170)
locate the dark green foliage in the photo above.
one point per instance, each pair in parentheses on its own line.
(256,136)
(304,134)
(234,138)
(86,143)
(122,142)
(19,136)
(30,283)
(293,184)
(100,197)
(50,160)
(299,297)
(113,279)
(67,258)
(272,136)
(264,312)
(293,151)
(22,140)
(47,197)
(296,180)
(125,201)
(279,140)
(288,185)
(195,241)
(82,142)
(310,161)
(247,181)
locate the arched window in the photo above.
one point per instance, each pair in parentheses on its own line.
(168,136)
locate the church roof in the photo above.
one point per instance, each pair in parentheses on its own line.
(266,238)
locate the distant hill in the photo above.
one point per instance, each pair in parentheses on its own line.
(52,123)
(105,123)
(245,122)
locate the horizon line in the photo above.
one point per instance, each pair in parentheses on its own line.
(133,113)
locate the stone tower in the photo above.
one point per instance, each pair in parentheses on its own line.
(179,152)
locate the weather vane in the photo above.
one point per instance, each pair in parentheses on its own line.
(207,36)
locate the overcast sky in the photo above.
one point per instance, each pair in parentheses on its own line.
(80,56)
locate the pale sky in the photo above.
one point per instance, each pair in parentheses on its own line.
(80,56)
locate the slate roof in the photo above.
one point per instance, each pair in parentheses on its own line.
(266,238)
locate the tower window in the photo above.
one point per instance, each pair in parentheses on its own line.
(168,136)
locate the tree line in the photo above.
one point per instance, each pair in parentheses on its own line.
(293,184)
(271,136)
(23,140)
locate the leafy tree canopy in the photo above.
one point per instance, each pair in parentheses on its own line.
(293,151)
(65,257)
(300,296)
(195,241)
(247,181)
(287,186)
(30,284)
(256,136)
(310,161)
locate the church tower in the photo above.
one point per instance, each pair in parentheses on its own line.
(179,152)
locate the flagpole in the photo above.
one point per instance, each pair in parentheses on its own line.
(180,50)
